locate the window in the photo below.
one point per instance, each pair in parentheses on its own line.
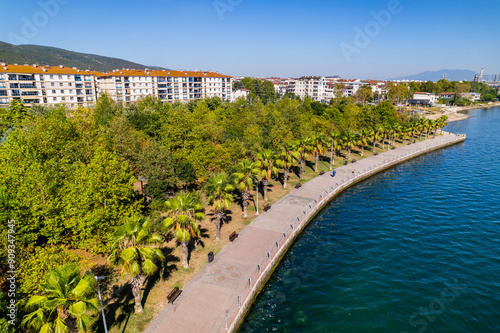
(60,77)
(54,99)
(53,91)
(60,84)
(62,91)
(70,84)
(52,84)
(52,77)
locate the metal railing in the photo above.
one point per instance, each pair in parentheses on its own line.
(235,312)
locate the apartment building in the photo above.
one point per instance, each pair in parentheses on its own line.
(47,85)
(312,86)
(51,85)
(129,85)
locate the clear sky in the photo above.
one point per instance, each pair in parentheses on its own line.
(368,39)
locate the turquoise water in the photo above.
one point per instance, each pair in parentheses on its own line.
(413,249)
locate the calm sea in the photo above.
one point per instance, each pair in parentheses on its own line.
(413,249)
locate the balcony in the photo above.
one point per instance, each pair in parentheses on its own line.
(26,78)
(29,93)
(27,86)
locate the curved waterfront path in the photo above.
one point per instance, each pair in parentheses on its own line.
(216,299)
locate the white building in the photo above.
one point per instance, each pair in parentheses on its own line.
(239,94)
(474,97)
(428,98)
(51,85)
(129,85)
(313,87)
(47,85)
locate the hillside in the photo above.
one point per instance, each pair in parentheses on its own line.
(45,55)
(451,75)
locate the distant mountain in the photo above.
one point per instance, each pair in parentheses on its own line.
(45,55)
(451,75)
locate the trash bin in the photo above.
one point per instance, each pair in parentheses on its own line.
(210,257)
(334,173)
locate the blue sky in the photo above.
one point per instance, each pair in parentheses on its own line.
(269,38)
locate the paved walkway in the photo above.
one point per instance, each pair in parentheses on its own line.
(217,297)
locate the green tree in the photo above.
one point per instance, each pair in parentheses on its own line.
(246,170)
(267,166)
(349,140)
(336,145)
(376,135)
(184,210)
(364,94)
(318,142)
(65,304)
(288,155)
(363,139)
(130,251)
(304,147)
(157,164)
(218,189)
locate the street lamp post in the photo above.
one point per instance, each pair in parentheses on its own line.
(97,278)
(257,208)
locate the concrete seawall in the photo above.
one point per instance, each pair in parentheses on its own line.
(218,297)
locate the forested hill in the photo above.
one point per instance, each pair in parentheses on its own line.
(45,55)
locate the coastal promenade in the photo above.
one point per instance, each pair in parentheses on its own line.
(216,299)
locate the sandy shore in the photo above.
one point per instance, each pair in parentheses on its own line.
(455,113)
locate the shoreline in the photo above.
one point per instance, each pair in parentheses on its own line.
(456,113)
(220,295)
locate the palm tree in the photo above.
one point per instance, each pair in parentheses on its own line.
(421,127)
(363,139)
(428,124)
(385,134)
(267,166)
(244,180)
(66,304)
(132,253)
(335,145)
(349,140)
(396,131)
(184,210)
(443,121)
(413,129)
(405,132)
(376,135)
(218,190)
(304,146)
(288,154)
(318,141)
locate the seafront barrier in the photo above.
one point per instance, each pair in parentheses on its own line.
(218,297)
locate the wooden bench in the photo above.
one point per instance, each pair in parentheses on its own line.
(267,207)
(233,236)
(174,294)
